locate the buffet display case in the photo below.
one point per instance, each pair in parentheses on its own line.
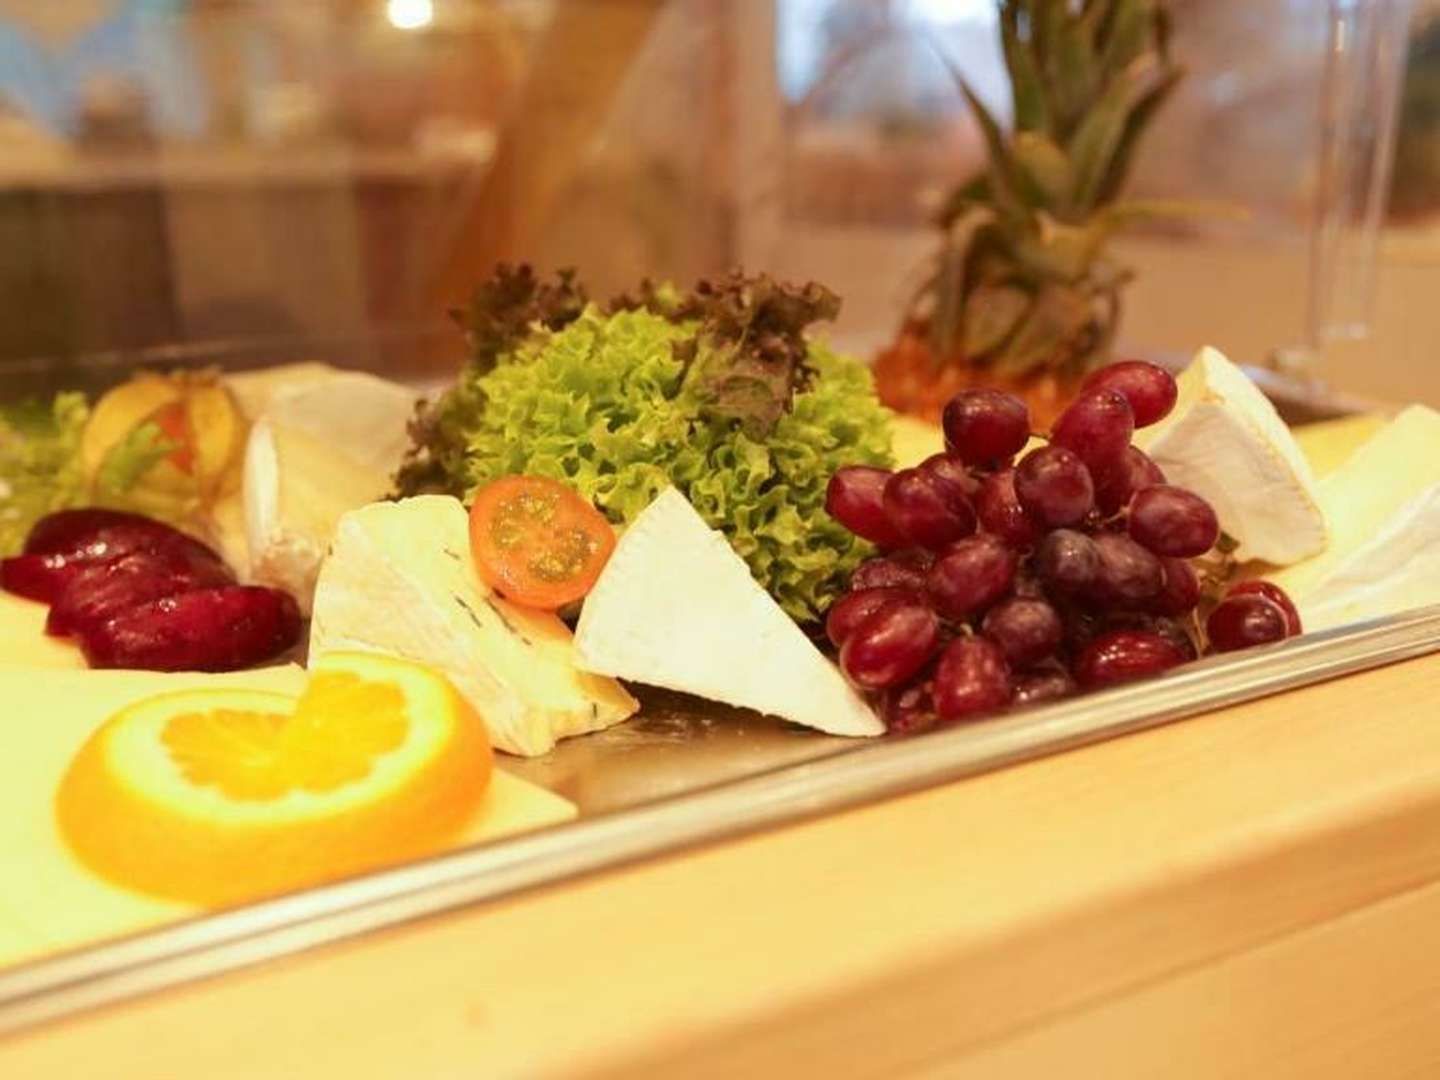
(235,187)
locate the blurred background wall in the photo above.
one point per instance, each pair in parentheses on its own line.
(195,178)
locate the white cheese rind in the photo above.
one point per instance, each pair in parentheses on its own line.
(1384,505)
(356,414)
(317,452)
(1397,570)
(255,390)
(676,607)
(399,580)
(295,491)
(1225,441)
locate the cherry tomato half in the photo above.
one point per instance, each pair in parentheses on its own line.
(537,541)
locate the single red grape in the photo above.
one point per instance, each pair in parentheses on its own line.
(1097,427)
(950,472)
(854,608)
(1174,631)
(971,575)
(917,558)
(971,678)
(983,426)
(1181,589)
(1028,586)
(1081,627)
(887,572)
(1239,622)
(1066,562)
(1027,631)
(1128,575)
(1054,486)
(1119,656)
(855,498)
(1172,521)
(908,709)
(1150,390)
(890,646)
(1177,632)
(1039,687)
(1000,512)
(1133,472)
(1276,595)
(926,510)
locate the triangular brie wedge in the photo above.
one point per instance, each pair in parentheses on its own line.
(1225,441)
(399,579)
(676,607)
(1384,509)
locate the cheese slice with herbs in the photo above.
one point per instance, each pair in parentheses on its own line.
(1384,509)
(676,607)
(399,579)
(1225,441)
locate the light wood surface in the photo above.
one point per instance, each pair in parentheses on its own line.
(1352,997)
(1261,881)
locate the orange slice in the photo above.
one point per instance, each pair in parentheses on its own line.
(218,796)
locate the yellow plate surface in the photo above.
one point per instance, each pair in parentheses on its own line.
(23,642)
(49,901)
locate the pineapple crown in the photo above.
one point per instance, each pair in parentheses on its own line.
(1022,281)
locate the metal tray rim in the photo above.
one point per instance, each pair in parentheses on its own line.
(212,944)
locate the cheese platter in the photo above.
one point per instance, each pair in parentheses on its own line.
(325,651)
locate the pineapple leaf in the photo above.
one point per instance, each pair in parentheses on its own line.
(969,196)
(1095,143)
(1129,212)
(1027,89)
(1002,173)
(1047,19)
(1047,167)
(1109,324)
(1105,309)
(969,239)
(1106,275)
(1073,71)
(1096,14)
(1056,319)
(992,313)
(1135,126)
(1163,30)
(947,320)
(1059,252)
(1129,33)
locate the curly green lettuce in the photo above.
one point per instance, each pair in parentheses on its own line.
(40,468)
(610,405)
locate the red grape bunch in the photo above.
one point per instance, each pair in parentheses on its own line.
(1004,582)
